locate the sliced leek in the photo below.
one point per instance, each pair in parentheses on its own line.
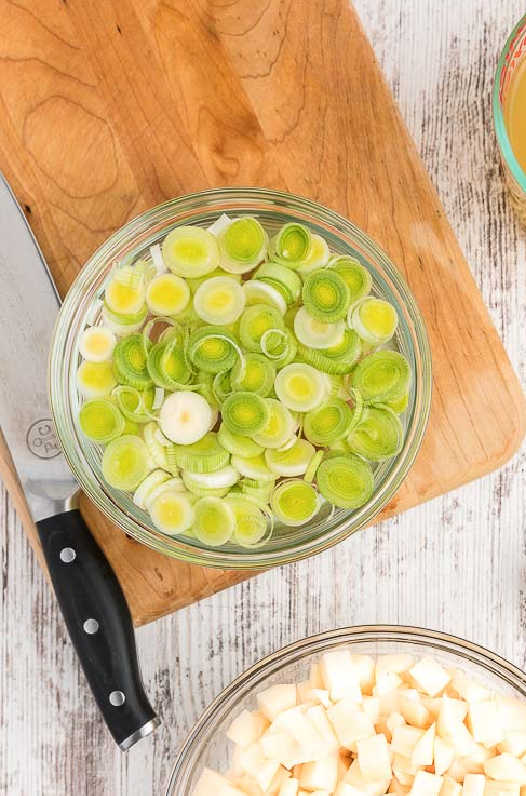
(219,300)
(135,405)
(167,365)
(378,436)
(167,294)
(190,251)
(280,426)
(125,293)
(317,257)
(100,420)
(214,521)
(284,279)
(224,478)
(310,472)
(345,481)
(328,423)
(212,349)
(250,522)
(242,245)
(125,462)
(295,502)
(374,319)
(222,386)
(259,292)
(146,487)
(300,387)
(357,278)
(253,467)
(291,245)
(291,462)
(172,512)
(255,321)
(204,456)
(315,333)
(336,359)
(130,362)
(124,324)
(279,346)
(245,413)
(95,379)
(325,295)
(185,417)
(236,444)
(382,376)
(96,343)
(255,374)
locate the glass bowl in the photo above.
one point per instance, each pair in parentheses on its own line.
(511,60)
(207,744)
(273,209)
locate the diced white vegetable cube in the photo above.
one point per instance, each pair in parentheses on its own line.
(315,678)
(473,785)
(514,743)
(430,676)
(423,752)
(403,769)
(247,728)
(450,787)
(350,723)
(513,713)
(340,676)
(355,778)
(443,756)
(295,722)
(413,709)
(276,699)
(371,706)
(404,740)
(468,689)
(289,787)
(211,782)
(280,746)
(426,784)
(374,759)
(365,667)
(386,682)
(485,722)
(260,768)
(392,722)
(317,715)
(319,775)
(397,663)
(506,768)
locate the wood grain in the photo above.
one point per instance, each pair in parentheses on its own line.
(456,563)
(111,107)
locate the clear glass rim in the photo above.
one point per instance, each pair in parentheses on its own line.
(498,115)
(59,396)
(434,639)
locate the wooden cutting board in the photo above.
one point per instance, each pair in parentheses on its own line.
(111,107)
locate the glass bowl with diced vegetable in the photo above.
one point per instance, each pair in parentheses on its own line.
(240,378)
(363,711)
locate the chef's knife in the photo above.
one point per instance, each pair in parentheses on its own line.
(89,594)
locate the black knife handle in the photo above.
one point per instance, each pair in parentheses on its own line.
(99,623)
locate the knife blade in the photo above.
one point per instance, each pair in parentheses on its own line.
(91,599)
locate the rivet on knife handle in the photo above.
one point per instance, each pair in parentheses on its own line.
(99,623)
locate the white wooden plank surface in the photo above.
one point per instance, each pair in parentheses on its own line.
(456,564)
